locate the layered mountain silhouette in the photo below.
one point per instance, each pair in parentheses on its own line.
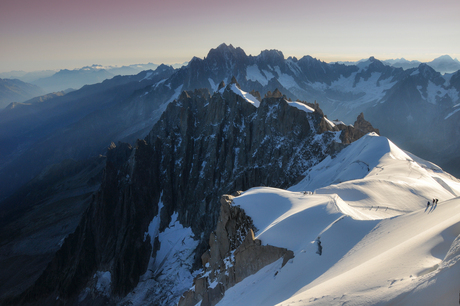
(13,90)
(208,138)
(418,101)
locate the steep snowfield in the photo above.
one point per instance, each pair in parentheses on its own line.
(247,96)
(370,90)
(170,269)
(380,242)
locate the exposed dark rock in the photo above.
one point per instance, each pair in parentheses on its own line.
(234,254)
(234,81)
(364,126)
(360,128)
(41,214)
(256,94)
(276,94)
(221,85)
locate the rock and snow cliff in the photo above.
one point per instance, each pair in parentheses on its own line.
(381,244)
(202,147)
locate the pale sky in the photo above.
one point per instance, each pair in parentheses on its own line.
(58,34)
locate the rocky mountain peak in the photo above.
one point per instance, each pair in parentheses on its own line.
(312,63)
(272,57)
(426,71)
(164,67)
(221,85)
(234,81)
(360,128)
(375,64)
(275,94)
(364,126)
(184,95)
(226,53)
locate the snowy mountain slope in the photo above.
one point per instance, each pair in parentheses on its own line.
(378,251)
(170,269)
(375,172)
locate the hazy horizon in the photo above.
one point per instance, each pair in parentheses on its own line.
(114,65)
(52,34)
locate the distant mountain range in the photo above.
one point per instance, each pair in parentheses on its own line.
(12,90)
(76,125)
(442,64)
(51,81)
(75,79)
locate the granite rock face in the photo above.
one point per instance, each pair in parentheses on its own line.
(234,254)
(358,130)
(203,146)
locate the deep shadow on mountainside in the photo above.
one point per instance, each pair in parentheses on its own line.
(203,146)
(38,217)
(13,90)
(77,125)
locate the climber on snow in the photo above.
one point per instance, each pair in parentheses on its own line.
(320,248)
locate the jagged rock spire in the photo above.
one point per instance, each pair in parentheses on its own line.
(221,85)
(276,94)
(184,95)
(234,81)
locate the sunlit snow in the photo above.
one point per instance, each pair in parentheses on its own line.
(286,80)
(381,243)
(371,90)
(253,74)
(301,106)
(170,268)
(450,114)
(250,98)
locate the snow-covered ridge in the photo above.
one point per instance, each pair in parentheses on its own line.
(301,106)
(247,96)
(367,209)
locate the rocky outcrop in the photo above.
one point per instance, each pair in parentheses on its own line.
(364,126)
(358,130)
(234,254)
(275,94)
